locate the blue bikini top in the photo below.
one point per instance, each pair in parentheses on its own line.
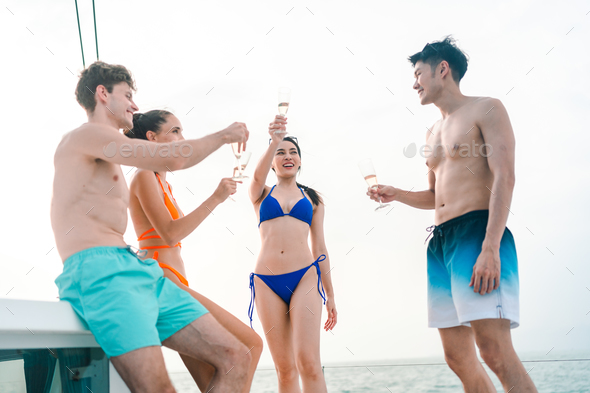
(271,208)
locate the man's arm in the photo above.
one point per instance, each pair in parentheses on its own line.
(497,133)
(419,199)
(108,144)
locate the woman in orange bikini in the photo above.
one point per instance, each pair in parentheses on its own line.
(160,225)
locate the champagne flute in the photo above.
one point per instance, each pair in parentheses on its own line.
(284,99)
(237,152)
(368,172)
(242,162)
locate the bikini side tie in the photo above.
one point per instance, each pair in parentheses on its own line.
(317,266)
(252,298)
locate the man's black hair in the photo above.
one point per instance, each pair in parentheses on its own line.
(435,52)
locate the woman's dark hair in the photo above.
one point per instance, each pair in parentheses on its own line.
(313,194)
(435,52)
(149,121)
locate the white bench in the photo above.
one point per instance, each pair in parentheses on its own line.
(27,325)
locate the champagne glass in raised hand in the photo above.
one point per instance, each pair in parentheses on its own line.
(277,130)
(368,172)
(284,99)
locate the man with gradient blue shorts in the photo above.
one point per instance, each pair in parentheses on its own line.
(126,302)
(472,265)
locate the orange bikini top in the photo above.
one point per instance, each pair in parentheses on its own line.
(173,212)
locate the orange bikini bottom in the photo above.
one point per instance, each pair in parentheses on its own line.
(176,272)
(180,276)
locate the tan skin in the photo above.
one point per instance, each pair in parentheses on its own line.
(89,209)
(148,211)
(292,331)
(460,182)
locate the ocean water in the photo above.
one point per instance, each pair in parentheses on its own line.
(561,376)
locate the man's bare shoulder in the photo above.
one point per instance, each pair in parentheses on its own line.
(485,105)
(85,134)
(67,143)
(490,113)
(88,133)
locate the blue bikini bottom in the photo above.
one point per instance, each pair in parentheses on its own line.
(284,284)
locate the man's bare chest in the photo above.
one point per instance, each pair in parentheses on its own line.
(107,180)
(451,140)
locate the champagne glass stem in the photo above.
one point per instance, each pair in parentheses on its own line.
(239,167)
(381,205)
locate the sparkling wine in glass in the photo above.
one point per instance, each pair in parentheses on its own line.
(237,153)
(368,172)
(284,99)
(372,181)
(283,108)
(236,149)
(241,163)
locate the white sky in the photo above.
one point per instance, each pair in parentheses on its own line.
(338,59)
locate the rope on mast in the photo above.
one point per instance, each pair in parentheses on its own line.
(95,33)
(80,33)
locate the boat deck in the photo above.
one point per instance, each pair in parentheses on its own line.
(45,347)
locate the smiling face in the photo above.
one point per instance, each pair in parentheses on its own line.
(170,131)
(427,83)
(120,104)
(286,162)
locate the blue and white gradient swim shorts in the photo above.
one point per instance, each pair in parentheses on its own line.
(452,253)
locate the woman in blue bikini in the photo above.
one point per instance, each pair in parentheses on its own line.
(289,279)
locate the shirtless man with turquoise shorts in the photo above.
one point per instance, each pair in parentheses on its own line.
(472,264)
(126,302)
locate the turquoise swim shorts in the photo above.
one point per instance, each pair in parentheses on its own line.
(126,302)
